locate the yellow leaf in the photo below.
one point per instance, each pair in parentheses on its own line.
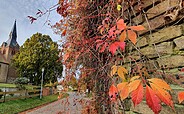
(134,78)
(133,85)
(160,83)
(121,73)
(123,69)
(118,7)
(113,70)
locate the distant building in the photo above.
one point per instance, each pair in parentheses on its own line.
(7,50)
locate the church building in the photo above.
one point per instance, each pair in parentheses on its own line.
(7,50)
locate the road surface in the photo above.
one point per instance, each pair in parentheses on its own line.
(70,105)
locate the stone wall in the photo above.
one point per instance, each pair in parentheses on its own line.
(162,44)
(3,72)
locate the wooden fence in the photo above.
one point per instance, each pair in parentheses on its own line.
(22,94)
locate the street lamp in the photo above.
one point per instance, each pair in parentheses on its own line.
(41,84)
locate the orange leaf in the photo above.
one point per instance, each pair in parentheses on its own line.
(121,25)
(160,83)
(64,32)
(113,91)
(137,95)
(163,95)
(113,70)
(122,36)
(152,100)
(181,96)
(133,85)
(122,85)
(124,92)
(137,28)
(134,78)
(132,36)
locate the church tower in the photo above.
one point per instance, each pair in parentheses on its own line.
(8,49)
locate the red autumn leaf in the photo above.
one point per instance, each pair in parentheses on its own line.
(122,45)
(137,95)
(122,36)
(137,28)
(121,25)
(99,44)
(113,47)
(132,36)
(111,31)
(113,91)
(152,100)
(103,47)
(163,95)
(181,96)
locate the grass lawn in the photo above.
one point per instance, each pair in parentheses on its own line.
(12,107)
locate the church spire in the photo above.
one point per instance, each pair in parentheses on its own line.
(13,33)
(12,41)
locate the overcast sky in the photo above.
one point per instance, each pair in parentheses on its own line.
(19,10)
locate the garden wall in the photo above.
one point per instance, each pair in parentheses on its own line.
(162,43)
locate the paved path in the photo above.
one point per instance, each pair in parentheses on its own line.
(69,105)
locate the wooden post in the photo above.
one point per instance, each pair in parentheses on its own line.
(4,95)
(26,94)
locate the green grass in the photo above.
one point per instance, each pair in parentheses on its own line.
(2,85)
(12,107)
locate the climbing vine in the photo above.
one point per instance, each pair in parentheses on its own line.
(97,36)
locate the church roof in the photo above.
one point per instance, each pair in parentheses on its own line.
(12,41)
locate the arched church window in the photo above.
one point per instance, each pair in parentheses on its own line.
(13,52)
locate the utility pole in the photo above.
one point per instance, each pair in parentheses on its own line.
(41,84)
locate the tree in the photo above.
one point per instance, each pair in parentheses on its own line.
(39,51)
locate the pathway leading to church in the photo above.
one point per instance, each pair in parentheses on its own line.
(70,105)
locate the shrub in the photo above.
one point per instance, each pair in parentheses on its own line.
(20,82)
